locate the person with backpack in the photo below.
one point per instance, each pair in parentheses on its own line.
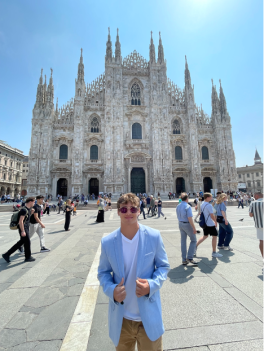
(36,226)
(22,224)
(187,229)
(210,224)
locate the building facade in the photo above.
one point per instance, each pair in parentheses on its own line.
(24,176)
(250,178)
(11,160)
(132,129)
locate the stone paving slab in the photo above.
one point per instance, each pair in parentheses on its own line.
(250,345)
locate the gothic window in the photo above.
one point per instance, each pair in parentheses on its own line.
(10,177)
(63,152)
(258,183)
(205,153)
(178,153)
(94,125)
(176,127)
(94,152)
(5,162)
(135,94)
(257,174)
(136,131)
(248,175)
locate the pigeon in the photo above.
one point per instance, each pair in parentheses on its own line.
(165,218)
(241,220)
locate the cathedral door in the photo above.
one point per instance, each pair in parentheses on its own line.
(180,185)
(62,187)
(138,183)
(94,186)
(208,184)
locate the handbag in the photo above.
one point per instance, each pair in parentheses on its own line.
(220,219)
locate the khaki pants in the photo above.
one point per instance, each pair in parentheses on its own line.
(133,332)
(36,228)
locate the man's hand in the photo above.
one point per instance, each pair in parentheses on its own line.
(194,231)
(216,224)
(42,226)
(120,292)
(23,233)
(142,287)
(226,222)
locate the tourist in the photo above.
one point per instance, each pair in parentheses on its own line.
(226,231)
(210,224)
(60,204)
(47,207)
(148,204)
(68,211)
(240,202)
(142,206)
(109,204)
(198,208)
(160,208)
(187,228)
(152,205)
(256,211)
(135,314)
(100,215)
(23,229)
(36,226)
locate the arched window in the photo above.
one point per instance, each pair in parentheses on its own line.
(136,131)
(176,127)
(63,152)
(4,176)
(94,152)
(178,153)
(94,125)
(135,94)
(205,153)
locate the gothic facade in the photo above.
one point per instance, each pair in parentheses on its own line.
(132,129)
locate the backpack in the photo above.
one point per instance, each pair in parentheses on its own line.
(202,221)
(15,219)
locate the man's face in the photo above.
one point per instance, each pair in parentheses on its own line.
(30,204)
(209,199)
(128,217)
(40,201)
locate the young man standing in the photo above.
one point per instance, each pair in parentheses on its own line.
(23,228)
(36,226)
(187,228)
(211,224)
(133,266)
(256,211)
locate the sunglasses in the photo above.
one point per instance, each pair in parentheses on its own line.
(132,209)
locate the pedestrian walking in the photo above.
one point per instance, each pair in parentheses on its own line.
(160,208)
(226,231)
(36,226)
(47,207)
(198,208)
(109,204)
(142,206)
(131,276)
(148,204)
(240,202)
(23,229)
(256,211)
(152,205)
(210,225)
(60,204)
(187,229)
(100,214)
(68,211)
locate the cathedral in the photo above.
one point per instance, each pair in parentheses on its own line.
(131,129)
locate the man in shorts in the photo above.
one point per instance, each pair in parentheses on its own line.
(129,253)
(211,224)
(256,211)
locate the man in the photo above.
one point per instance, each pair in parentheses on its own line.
(60,204)
(129,254)
(240,202)
(36,226)
(23,228)
(148,204)
(142,207)
(187,228)
(211,224)
(256,211)
(152,205)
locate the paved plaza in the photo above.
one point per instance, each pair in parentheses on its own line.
(55,303)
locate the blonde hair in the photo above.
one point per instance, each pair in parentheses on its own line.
(221,198)
(126,198)
(68,201)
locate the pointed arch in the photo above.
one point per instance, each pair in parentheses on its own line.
(135,92)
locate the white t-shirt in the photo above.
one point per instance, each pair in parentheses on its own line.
(207,209)
(130,250)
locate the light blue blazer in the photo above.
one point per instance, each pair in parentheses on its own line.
(152,264)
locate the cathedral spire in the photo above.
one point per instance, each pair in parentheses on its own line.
(188,83)
(50,91)
(160,51)
(257,158)
(39,97)
(117,49)
(152,55)
(81,69)
(214,100)
(108,56)
(222,102)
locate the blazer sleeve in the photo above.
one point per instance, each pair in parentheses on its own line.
(162,268)
(104,274)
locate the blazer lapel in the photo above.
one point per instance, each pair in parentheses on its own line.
(141,249)
(119,253)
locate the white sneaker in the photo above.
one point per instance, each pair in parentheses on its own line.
(228,248)
(195,252)
(220,247)
(216,254)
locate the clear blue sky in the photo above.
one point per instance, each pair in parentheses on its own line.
(221,38)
